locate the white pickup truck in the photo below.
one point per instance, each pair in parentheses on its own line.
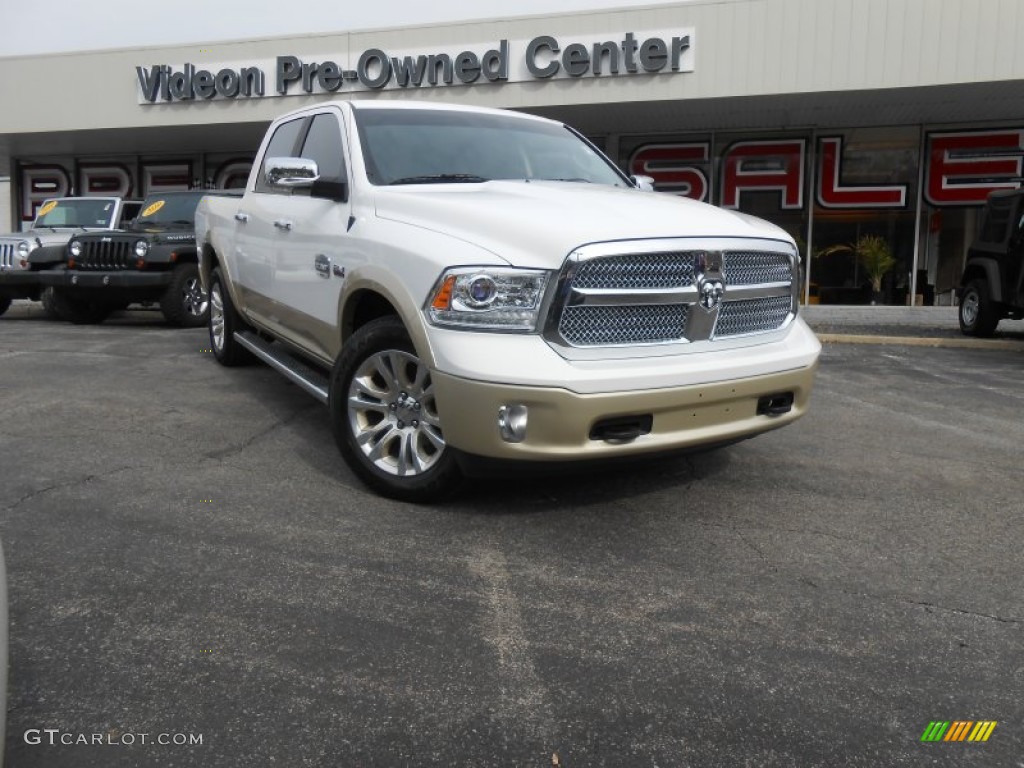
(464,285)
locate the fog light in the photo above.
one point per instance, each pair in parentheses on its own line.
(512,423)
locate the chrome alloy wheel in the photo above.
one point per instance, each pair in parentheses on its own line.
(216,317)
(392,413)
(970,307)
(194,297)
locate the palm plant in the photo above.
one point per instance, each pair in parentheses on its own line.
(873,253)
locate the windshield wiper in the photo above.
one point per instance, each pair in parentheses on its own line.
(442,178)
(585,181)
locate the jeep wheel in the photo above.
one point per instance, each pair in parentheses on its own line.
(978,315)
(184,303)
(80,311)
(384,416)
(224,323)
(5,304)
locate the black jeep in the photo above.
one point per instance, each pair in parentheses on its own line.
(993,283)
(152,262)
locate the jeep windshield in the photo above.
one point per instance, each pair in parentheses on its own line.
(76,214)
(169,210)
(428,146)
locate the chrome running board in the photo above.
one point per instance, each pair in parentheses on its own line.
(307,377)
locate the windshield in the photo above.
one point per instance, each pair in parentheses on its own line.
(161,210)
(410,146)
(76,213)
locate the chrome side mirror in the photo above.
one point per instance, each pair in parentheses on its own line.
(643,183)
(290,171)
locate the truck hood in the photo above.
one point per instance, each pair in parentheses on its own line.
(538,223)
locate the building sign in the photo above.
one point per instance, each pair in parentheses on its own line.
(961,168)
(130,178)
(543,58)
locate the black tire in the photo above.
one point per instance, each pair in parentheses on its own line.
(5,304)
(224,323)
(80,311)
(46,298)
(413,463)
(185,303)
(979,315)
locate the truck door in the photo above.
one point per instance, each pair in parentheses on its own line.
(255,235)
(312,248)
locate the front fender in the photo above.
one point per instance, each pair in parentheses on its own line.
(986,269)
(47,256)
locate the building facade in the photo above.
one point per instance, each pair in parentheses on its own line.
(836,119)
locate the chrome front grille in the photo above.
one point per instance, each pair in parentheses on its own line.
(109,253)
(623,295)
(7,254)
(738,318)
(612,325)
(756,267)
(644,270)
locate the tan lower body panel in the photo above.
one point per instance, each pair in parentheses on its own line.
(559,421)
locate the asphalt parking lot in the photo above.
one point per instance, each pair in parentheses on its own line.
(187,555)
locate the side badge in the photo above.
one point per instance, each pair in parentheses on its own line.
(339,271)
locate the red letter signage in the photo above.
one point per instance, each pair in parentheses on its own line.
(39,182)
(669,166)
(111,179)
(964,167)
(832,195)
(758,166)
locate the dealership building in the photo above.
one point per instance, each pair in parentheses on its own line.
(835,119)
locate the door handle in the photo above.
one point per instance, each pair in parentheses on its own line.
(283,224)
(242,217)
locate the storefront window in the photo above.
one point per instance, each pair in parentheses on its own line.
(864,212)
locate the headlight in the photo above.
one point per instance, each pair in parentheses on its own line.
(75,247)
(141,248)
(487,298)
(25,247)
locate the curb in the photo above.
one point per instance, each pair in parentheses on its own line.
(922,341)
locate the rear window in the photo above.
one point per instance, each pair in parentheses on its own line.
(995,223)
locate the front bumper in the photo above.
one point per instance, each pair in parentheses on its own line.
(560,422)
(127,282)
(689,401)
(19,283)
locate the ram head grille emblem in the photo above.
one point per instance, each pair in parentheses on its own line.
(710,279)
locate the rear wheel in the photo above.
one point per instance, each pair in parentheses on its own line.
(185,303)
(979,315)
(384,416)
(224,324)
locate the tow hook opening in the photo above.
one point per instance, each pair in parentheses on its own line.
(775,405)
(622,429)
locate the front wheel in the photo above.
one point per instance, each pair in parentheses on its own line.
(80,311)
(46,298)
(384,416)
(978,313)
(185,303)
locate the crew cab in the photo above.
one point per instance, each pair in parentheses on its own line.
(992,285)
(23,255)
(152,262)
(466,286)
